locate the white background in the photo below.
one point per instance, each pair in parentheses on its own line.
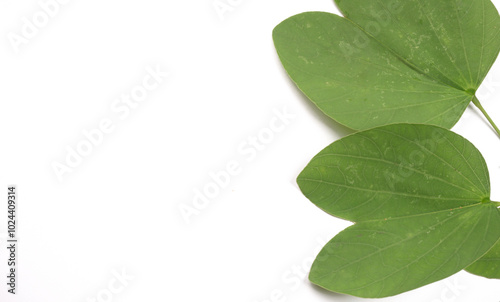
(118,210)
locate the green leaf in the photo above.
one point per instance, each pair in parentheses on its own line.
(419,197)
(489,265)
(394,61)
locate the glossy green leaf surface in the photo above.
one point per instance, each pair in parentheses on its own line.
(419,197)
(395,61)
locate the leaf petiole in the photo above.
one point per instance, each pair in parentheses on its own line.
(480,107)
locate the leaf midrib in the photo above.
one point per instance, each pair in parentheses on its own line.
(381,191)
(409,64)
(423,255)
(404,240)
(437,156)
(393,244)
(406,167)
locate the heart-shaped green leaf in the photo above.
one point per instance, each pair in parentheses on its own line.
(419,195)
(394,61)
(489,265)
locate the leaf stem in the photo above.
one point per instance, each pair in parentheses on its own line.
(480,107)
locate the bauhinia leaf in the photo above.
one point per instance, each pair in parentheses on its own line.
(489,265)
(391,61)
(419,197)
